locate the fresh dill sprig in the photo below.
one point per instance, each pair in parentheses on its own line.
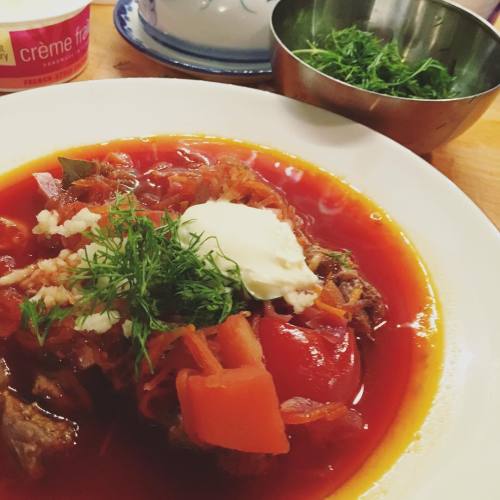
(342,257)
(36,316)
(361,59)
(153,276)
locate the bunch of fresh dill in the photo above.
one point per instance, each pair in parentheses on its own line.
(361,59)
(135,266)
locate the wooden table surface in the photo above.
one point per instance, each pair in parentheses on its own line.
(472,161)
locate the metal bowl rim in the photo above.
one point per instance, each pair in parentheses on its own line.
(447,4)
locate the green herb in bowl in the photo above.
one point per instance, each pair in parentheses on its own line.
(362,59)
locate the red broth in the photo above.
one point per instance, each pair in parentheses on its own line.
(120,457)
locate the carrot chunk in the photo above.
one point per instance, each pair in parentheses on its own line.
(236,409)
(181,384)
(199,349)
(239,345)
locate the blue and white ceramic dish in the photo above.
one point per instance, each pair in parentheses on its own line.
(231,30)
(130,26)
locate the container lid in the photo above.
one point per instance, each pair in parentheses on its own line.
(25,11)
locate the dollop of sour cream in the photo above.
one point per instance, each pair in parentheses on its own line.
(271,260)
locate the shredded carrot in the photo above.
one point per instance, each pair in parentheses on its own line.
(198,347)
(160,343)
(334,311)
(330,294)
(162,375)
(146,400)
(356,295)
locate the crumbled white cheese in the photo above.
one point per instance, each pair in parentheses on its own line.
(44,271)
(83,220)
(48,223)
(127,328)
(54,296)
(300,300)
(16,276)
(271,260)
(47,265)
(98,322)
(89,251)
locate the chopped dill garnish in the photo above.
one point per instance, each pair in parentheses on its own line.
(343,258)
(362,59)
(36,316)
(155,278)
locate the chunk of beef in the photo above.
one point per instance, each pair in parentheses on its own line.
(33,434)
(4,375)
(112,353)
(62,392)
(114,174)
(357,295)
(47,388)
(363,299)
(326,262)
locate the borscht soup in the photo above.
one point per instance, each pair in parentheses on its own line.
(191,317)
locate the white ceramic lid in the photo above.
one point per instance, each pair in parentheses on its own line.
(28,11)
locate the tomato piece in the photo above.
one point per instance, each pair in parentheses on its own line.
(321,364)
(13,235)
(10,312)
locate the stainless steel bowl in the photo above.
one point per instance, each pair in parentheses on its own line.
(465,43)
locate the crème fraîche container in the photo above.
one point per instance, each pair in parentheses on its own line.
(42,42)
